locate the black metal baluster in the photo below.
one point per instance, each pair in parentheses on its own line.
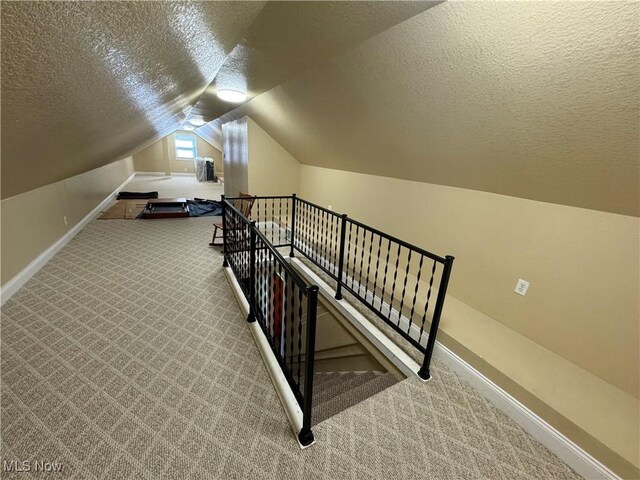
(252,274)
(259,274)
(415,296)
(288,227)
(369,268)
(225,231)
(375,278)
(404,286)
(362,250)
(431,341)
(293,223)
(273,214)
(272,294)
(393,288)
(278,311)
(323,239)
(386,269)
(300,297)
(426,306)
(279,222)
(332,248)
(319,228)
(327,243)
(343,232)
(348,257)
(315,234)
(292,322)
(306,436)
(305,219)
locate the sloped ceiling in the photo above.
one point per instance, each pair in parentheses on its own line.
(538,100)
(86,83)
(289,37)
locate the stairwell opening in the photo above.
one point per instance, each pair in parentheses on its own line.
(348,368)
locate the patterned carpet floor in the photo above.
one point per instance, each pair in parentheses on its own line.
(127,357)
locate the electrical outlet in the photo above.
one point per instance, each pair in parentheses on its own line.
(185,169)
(65,221)
(521,287)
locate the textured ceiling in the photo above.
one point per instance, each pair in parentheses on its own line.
(85,83)
(538,100)
(288,37)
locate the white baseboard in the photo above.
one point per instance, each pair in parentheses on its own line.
(288,400)
(570,453)
(163,174)
(13,285)
(151,174)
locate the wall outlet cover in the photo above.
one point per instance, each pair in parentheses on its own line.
(521,287)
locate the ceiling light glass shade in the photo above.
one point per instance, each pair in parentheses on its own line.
(196,122)
(233,96)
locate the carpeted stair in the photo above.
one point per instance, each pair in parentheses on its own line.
(334,392)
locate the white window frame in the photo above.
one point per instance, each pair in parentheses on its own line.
(186,137)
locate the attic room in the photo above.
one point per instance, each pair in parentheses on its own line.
(320,239)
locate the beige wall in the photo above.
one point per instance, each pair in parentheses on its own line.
(151,159)
(272,170)
(582,304)
(160,156)
(32,221)
(236,157)
(255,162)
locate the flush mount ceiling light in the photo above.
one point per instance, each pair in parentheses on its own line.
(197,121)
(233,96)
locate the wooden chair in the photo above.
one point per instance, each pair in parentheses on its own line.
(244,205)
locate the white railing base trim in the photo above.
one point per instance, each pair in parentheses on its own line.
(568,451)
(287,398)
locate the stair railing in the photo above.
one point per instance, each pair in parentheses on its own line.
(402,284)
(280,301)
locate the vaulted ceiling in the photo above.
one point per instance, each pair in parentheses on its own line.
(86,83)
(536,100)
(539,100)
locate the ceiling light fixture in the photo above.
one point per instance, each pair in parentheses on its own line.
(187,127)
(233,96)
(197,121)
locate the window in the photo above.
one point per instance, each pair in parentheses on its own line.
(186,147)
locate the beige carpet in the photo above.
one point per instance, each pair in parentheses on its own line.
(126,357)
(334,392)
(176,186)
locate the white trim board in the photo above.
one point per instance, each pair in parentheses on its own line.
(288,400)
(13,285)
(152,174)
(569,452)
(164,175)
